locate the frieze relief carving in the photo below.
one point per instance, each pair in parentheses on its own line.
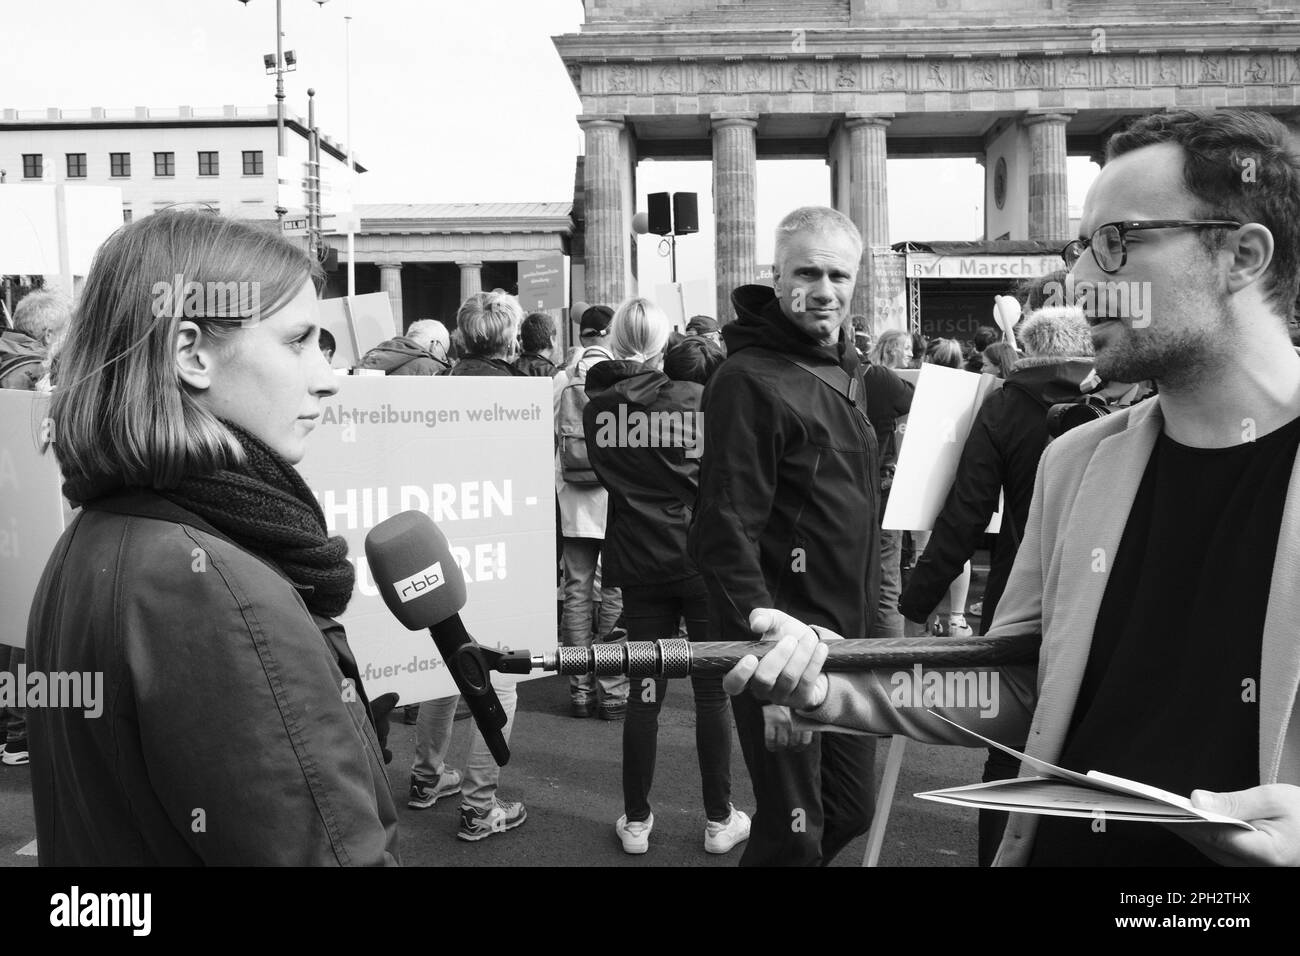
(850,75)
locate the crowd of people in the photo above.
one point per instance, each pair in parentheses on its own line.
(1134,547)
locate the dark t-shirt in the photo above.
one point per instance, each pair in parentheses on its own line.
(1169,695)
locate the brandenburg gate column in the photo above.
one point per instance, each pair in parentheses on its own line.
(1049,204)
(471,277)
(390,281)
(735,169)
(868,197)
(603,199)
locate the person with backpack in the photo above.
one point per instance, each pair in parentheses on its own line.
(652,480)
(583,504)
(421,351)
(1002,453)
(39,321)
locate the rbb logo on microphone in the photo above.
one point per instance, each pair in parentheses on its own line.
(421,582)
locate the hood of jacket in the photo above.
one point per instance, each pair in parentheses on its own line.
(1050,380)
(761,323)
(396,352)
(627,381)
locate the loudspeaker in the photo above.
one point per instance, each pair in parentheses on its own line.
(661,222)
(685,213)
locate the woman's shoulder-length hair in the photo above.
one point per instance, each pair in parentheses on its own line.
(121,412)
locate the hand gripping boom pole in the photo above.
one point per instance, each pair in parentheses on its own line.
(680,658)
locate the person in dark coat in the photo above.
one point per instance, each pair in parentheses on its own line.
(537,337)
(198,581)
(421,351)
(1001,455)
(489,345)
(787,518)
(644,436)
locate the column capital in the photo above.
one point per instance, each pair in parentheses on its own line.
(601,121)
(854,120)
(388,262)
(1050,115)
(469,263)
(723,120)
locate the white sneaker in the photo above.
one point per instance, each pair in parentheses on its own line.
(721,837)
(635,836)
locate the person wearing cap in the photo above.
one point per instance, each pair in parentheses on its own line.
(582,530)
(705,327)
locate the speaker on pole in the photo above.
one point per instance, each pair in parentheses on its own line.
(686,213)
(661,222)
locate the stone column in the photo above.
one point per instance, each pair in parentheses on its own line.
(603,209)
(735,167)
(1049,203)
(390,281)
(471,277)
(868,199)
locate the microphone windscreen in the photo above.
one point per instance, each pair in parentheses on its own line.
(414,570)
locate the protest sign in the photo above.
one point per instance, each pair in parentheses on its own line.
(943,411)
(35,512)
(476,455)
(372,323)
(541,283)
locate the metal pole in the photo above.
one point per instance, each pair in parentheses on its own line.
(347,69)
(313,177)
(279,99)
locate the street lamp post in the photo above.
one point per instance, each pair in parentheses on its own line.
(279,99)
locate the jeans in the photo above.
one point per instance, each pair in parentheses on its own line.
(433,737)
(580,556)
(810,804)
(652,614)
(13,721)
(889,620)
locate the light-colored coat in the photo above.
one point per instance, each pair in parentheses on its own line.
(1087,482)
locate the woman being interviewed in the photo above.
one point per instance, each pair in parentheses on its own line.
(198,578)
(643,437)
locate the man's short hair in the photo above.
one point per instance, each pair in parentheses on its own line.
(818,219)
(537,332)
(1036,292)
(488,323)
(985,336)
(1239,165)
(427,331)
(693,359)
(42,311)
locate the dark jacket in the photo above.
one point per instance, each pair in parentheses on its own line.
(534,363)
(477,365)
(651,489)
(889,398)
(21,358)
(1002,452)
(228,736)
(788,483)
(402,356)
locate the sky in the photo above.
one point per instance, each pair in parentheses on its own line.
(452,101)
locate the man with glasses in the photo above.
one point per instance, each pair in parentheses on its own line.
(1162,552)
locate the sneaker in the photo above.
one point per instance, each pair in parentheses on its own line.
(956,626)
(424,795)
(579,708)
(721,837)
(613,709)
(15,753)
(478,824)
(634,836)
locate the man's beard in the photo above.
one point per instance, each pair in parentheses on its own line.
(1174,357)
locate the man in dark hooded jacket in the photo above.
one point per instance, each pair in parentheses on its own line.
(787,519)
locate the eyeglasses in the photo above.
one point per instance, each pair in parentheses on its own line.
(1109,242)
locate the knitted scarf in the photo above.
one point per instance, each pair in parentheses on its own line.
(266,507)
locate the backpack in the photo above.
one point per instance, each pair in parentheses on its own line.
(20,370)
(575,465)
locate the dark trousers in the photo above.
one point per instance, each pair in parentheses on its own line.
(810,804)
(999,766)
(652,614)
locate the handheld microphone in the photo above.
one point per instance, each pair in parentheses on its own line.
(423,586)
